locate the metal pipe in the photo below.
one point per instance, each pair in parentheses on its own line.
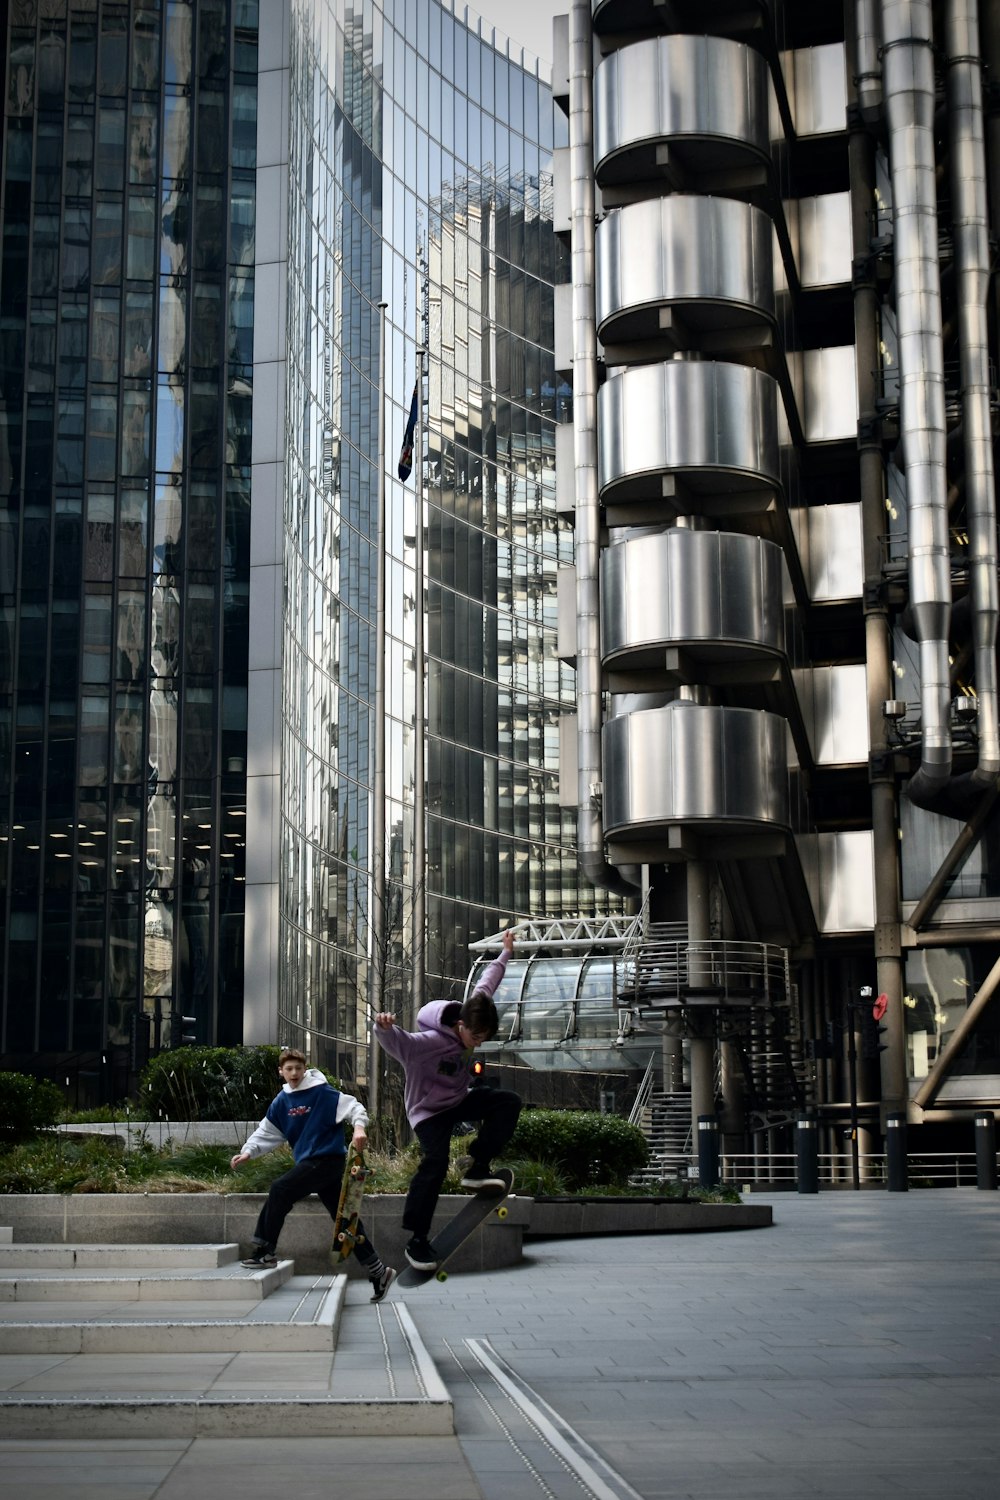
(418,942)
(908,82)
(972,266)
(868,76)
(928,1090)
(590,827)
(377,943)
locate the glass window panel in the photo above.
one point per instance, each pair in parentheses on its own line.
(210,229)
(169,428)
(135,433)
(199,731)
(95,665)
(73,346)
(146,48)
(102,435)
(205,329)
(141,238)
(243,148)
(133,532)
(128,763)
(175,221)
(114,52)
(213,38)
(131,636)
(107,243)
(173,327)
(104,338)
(178,43)
(79,156)
(142,144)
(82,60)
(202,522)
(110,165)
(176,136)
(212,133)
(242,213)
(69,441)
(204,423)
(138,333)
(199,628)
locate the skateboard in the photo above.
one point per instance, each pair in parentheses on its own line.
(345,1225)
(484,1201)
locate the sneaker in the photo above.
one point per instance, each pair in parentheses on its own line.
(381,1283)
(260,1259)
(421,1253)
(481,1175)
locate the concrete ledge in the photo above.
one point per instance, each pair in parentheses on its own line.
(183,1417)
(555,1217)
(220,1218)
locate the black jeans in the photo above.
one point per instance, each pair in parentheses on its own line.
(320,1175)
(496,1110)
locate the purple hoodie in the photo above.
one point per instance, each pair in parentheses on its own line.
(436,1064)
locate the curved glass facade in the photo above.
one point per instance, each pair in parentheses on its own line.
(126,301)
(420,172)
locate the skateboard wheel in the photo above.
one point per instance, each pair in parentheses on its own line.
(441,1276)
(501,1213)
(361,1239)
(341,1237)
(355,1171)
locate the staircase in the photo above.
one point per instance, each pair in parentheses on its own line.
(112,1341)
(666,1124)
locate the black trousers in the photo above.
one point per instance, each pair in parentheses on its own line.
(496,1110)
(321,1175)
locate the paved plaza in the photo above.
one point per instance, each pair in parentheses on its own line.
(851,1351)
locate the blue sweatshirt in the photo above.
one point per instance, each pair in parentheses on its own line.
(310,1118)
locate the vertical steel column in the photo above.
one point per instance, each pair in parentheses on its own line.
(986,1152)
(376,854)
(878,639)
(418,943)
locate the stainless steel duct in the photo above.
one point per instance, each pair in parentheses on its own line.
(908,83)
(869,79)
(972,265)
(590,828)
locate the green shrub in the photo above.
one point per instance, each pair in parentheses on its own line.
(209,1083)
(588,1148)
(27,1105)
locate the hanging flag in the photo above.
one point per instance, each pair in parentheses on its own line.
(406,452)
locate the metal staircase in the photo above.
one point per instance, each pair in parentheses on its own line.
(665,1121)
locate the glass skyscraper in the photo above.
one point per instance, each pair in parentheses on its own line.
(204,202)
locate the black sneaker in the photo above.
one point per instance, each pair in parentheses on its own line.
(381,1283)
(421,1253)
(260,1259)
(481,1175)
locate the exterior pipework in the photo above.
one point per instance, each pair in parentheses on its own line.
(590,830)
(869,74)
(908,81)
(972,261)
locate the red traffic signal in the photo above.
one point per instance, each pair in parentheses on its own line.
(881,1006)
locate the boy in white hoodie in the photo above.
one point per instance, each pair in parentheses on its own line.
(309,1114)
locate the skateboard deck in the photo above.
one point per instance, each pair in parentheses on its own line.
(484,1201)
(345,1225)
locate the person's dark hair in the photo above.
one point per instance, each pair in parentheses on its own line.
(480,1015)
(291,1054)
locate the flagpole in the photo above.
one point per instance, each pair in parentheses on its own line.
(419,939)
(377,853)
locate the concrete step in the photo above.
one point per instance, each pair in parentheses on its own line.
(303,1314)
(38,1257)
(219,1283)
(378,1381)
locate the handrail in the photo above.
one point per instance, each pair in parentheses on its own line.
(644,1091)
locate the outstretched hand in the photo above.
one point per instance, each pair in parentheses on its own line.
(238,1159)
(385,1021)
(508,940)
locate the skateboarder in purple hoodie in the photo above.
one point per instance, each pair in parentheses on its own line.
(437,1059)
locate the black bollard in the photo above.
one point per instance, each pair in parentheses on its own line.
(708,1151)
(986,1153)
(895,1152)
(807,1154)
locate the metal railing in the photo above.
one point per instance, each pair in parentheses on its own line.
(780,1169)
(645,1089)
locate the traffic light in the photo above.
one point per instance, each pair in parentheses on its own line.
(182,1033)
(872,1033)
